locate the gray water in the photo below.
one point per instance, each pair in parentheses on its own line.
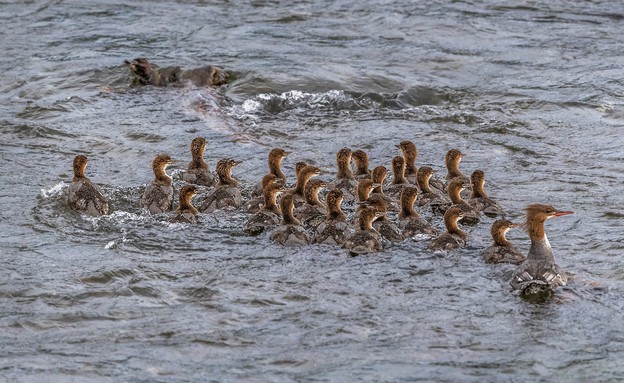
(532,92)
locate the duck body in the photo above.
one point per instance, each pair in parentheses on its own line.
(83,195)
(158,195)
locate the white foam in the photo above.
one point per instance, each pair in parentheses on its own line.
(54,190)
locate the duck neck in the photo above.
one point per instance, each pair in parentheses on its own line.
(423,183)
(270,203)
(197,161)
(478,190)
(311,197)
(344,169)
(287,216)
(225,178)
(363,192)
(275,167)
(365,223)
(407,208)
(410,163)
(361,168)
(398,174)
(540,247)
(161,176)
(186,205)
(452,167)
(335,212)
(79,173)
(302,180)
(455,195)
(453,228)
(501,240)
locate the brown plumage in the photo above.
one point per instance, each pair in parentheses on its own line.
(226,195)
(502,251)
(83,195)
(158,196)
(454,237)
(198,171)
(186,212)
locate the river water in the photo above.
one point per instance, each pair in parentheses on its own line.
(531,91)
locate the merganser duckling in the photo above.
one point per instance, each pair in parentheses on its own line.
(226,195)
(409,152)
(186,212)
(269,214)
(409,220)
(502,251)
(452,159)
(479,198)
(313,210)
(158,196)
(345,179)
(398,178)
(84,195)
(334,229)
(298,167)
(382,224)
(379,176)
(303,176)
(366,239)
(363,191)
(360,159)
(198,172)
(471,215)
(275,158)
(438,202)
(256,202)
(454,237)
(539,273)
(290,233)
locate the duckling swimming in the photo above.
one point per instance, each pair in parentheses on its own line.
(198,171)
(158,195)
(313,210)
(83,195)
(366,239)
(290,233)
(438,202)
(269,214)
(479,199)
(409,152)
(502,251)
(145,73)
(345,180)
(226,195)
(303,176)
(452,159)
(409,220)
(471,215)
(360,159)
(382,224)
(257,200)
(186,212)
(454,237)
(379,176)
(398,178)
(333,230)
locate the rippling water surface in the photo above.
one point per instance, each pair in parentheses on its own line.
(532,92)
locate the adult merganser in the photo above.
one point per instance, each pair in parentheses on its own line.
(334,229)
(84,195)
(290,232)
(198,171)
(479,198)
(409,220)
(539,273)
(158,195)
(226,195)
(186,212)
(366,239)
(454,237)
(502,251)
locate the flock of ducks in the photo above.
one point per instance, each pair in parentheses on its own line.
(376,212)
